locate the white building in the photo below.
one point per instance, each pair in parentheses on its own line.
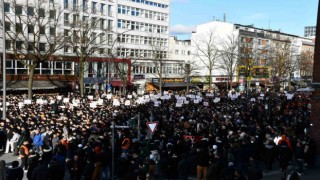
(136,29)
(310,31)
(249,38)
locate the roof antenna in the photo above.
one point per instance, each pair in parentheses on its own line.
(224,17)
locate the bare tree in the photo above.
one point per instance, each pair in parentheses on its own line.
(229,57)
(188,69)
(249,56)
(86,34)
(283,60)
(206,51)
(306,64)
(31,33)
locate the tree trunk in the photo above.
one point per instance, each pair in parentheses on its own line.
(81,76)
(210,77)
(30,81)
(187,85)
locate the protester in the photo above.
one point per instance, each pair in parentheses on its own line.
(211,135)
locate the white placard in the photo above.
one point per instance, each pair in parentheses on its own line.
(100,102)
(75,104)
(127,103)
(262,95)
(62,107)
(27,101)
(209,95)
(156,96)
(196,101)
(289,96)
(109,96)
(52,101)
(130,96)
(38,101)
(186,102)
(156,104)
(44,102)
(20,104)
(260,98)
(253,100)
(59,97)
(146,96)
(216,100)
(205,103)
(192,96)
(116,102)
(165,92)
(90,97)
(65,100)
(180,101)
(178,104)
(93,104)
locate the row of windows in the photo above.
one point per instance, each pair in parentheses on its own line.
(139,26)
(151,3)
(19,9)
(182,52)
(96,23)
(140,53)
(30,46)
(133,39)
(31,29)
(150,68)
(95,7)
(47,67)
(142,13)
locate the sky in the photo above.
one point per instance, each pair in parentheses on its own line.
(289,16)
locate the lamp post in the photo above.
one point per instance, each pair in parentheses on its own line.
(4,73)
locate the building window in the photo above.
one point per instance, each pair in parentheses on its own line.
(52,31)
(66,4)
(30,46)
(66,19)
(18,28)
(30,11)
(52,14)
(41,12)
(42,47)
(176,52)
(7,26)
(42,30)
(8,44)
(18,10)
(6,7)
(19,45)
(30,28)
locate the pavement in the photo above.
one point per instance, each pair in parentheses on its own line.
(275,174)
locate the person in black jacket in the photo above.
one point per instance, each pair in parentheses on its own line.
(16,172)
(202,162)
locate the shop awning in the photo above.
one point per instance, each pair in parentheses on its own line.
(119,83)
(37,85)
(174,84)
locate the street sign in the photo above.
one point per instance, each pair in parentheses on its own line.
(152,126)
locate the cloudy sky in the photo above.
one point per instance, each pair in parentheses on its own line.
(290,16)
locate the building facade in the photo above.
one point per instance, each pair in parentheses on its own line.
(256,52)
(310,31)
(120,29)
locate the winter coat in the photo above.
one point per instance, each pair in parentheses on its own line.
(15,173)
(3,170)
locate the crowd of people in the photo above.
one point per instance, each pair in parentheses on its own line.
(218,136)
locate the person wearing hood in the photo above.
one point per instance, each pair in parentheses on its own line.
(16,172)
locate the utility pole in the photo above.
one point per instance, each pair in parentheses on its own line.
(4,73)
